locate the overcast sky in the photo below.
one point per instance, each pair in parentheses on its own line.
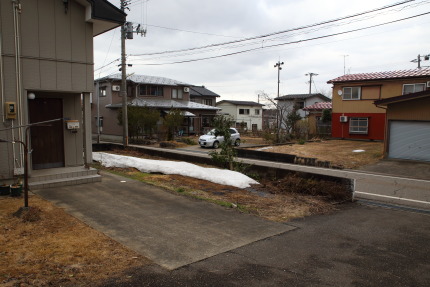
(180,25)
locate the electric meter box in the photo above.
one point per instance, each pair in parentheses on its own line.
(10,110)
(72,124)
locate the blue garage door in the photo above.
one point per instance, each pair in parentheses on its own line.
(409,140)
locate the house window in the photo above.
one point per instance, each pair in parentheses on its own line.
(243,111)
(358,125)
(413,88)
(257,112)
(177,94)
(102,92)
(351,93)
(299,105)
(241,125)
(151,90)
(207,102)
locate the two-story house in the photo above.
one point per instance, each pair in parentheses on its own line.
(245,113)
(300,101)
(202,95)
(159,93)
(354,114)
(47,68)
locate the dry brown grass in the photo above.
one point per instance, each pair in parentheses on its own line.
(338,152)
(55,249)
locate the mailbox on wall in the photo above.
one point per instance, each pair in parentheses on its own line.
(10,110)
(72,125)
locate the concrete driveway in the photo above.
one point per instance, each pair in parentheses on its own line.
(169,229)
(356,246)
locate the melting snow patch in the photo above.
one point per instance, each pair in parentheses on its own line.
(263,148)
(358,150)
(216,175)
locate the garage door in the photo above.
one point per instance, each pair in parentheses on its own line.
(409,140)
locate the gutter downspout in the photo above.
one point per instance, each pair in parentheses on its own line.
(16,10)
(2,81)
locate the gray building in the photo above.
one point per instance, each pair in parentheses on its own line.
(46,71)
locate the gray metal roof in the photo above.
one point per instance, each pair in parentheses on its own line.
(302,96)
(241,103)
(165,104)
(201,91)
(142,79)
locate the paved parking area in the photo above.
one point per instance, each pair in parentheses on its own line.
(169,229)
(357,246)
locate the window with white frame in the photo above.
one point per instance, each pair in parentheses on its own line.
(102,92)
(257,112)
(243,111)
(358,125)
(177,94)
(413,88)
(351,93)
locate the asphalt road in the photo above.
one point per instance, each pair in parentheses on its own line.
(356,246)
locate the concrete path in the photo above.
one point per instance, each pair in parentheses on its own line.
(171,230)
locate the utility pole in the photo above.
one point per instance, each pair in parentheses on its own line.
(418,60)
(310,81)
(123,91)
(278,65)
(344,57)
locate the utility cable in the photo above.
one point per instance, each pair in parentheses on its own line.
(289,43)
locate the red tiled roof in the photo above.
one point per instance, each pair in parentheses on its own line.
(382,75)
(318,107)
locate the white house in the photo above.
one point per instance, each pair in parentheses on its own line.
(301,101)
(245,113)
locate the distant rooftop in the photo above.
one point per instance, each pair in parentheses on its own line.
(165,104)
(143,79)
(302,96)
(382,75)
(318,107)
(201,91)
(241,103)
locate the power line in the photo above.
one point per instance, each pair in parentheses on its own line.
(280,32)
(289,43)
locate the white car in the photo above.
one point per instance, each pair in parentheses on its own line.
(210,140)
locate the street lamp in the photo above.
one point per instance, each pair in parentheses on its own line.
(278,64)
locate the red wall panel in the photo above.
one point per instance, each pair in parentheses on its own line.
(375,131)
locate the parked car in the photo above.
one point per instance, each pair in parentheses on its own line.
(211,140)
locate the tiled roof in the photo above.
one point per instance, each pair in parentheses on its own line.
(241,103)
(382,75)
(142,79)
(165,104)
(318,107)
(197,91)
(302,96)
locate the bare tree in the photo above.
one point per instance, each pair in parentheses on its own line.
(284,115)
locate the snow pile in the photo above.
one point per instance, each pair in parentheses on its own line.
(358,150)
(220,176)
(264,148)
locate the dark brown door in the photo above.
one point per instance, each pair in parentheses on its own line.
(46,141)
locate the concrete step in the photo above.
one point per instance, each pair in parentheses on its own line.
(65,181)
(62,176)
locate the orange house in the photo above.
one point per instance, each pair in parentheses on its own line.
(354,116)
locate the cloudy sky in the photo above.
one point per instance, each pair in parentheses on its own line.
(190,41)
